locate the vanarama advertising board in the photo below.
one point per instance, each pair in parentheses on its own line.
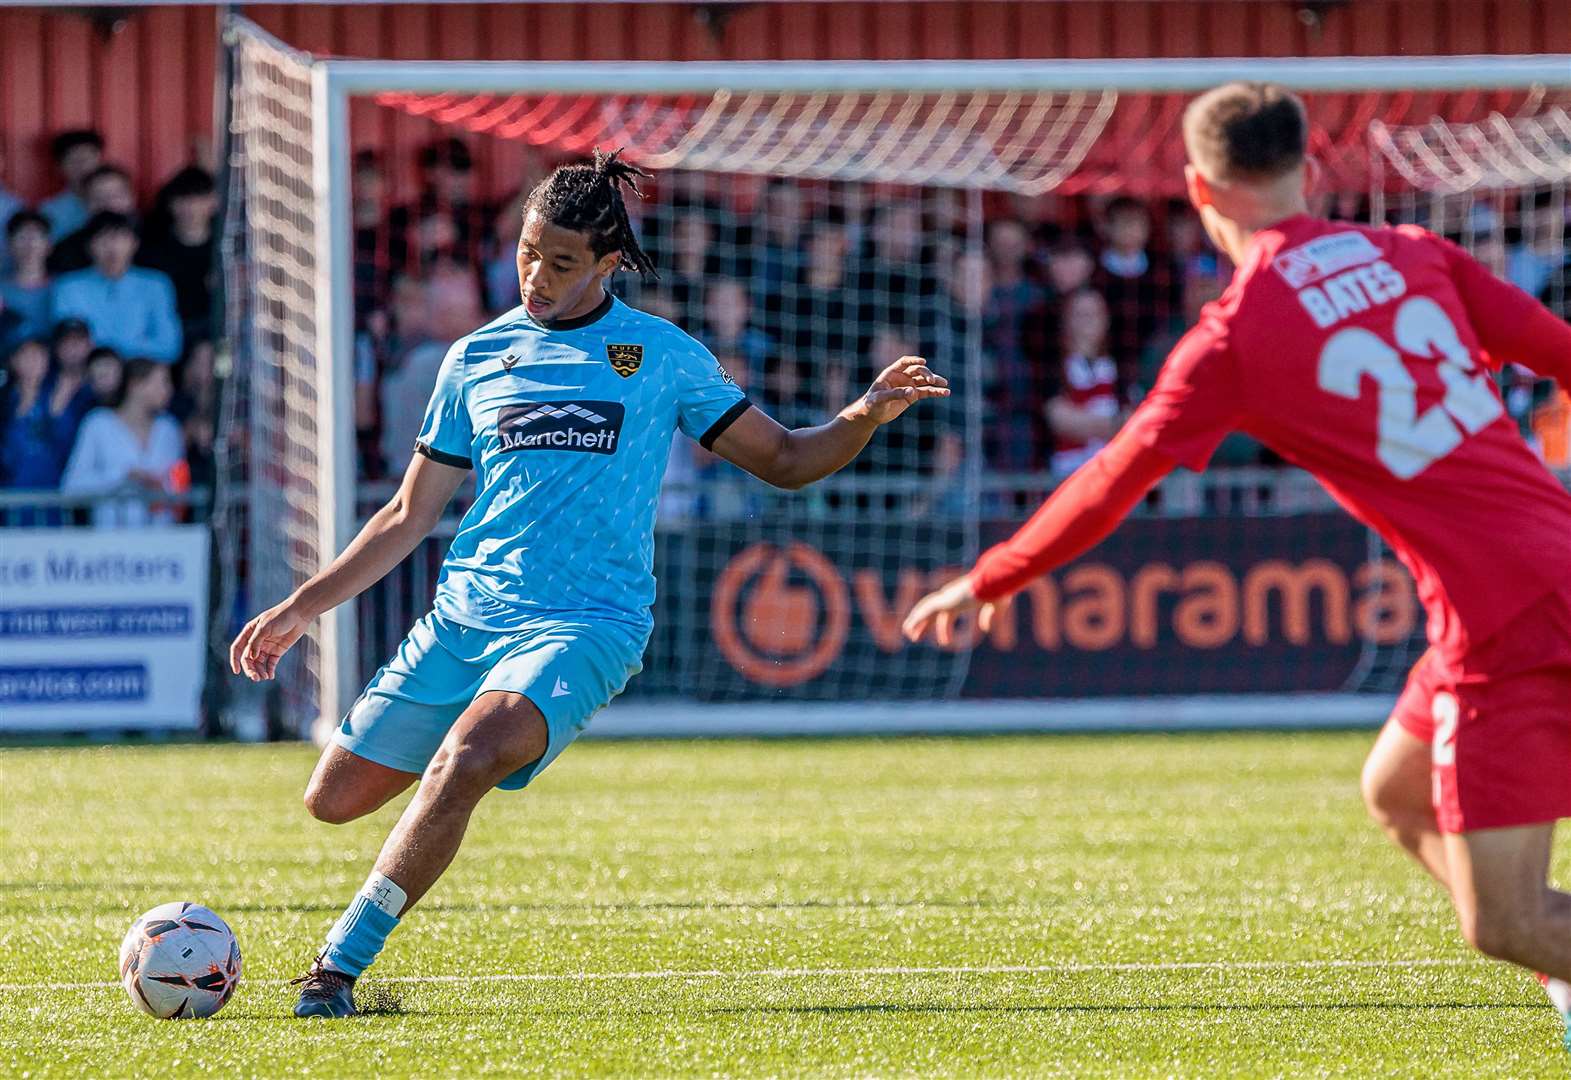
(102,629)
(1292,604)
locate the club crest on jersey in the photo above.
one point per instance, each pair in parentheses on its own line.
(625,359)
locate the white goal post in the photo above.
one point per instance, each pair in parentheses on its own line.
(291,151)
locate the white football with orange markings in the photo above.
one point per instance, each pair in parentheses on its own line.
(179,961)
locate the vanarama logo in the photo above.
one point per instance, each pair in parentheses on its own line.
(782,615)
(590,427)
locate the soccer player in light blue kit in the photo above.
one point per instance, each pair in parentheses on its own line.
(566,407)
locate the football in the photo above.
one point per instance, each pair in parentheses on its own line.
(179,961)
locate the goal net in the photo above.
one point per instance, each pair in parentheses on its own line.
(812,223)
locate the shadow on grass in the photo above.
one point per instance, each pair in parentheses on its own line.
(1259,1007)
(399,1009)
(651,905)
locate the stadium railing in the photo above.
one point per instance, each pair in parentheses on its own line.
(18,506)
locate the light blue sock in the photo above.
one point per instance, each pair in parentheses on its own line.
(360,932)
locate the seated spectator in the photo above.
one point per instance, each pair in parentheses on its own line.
(134,445)
(1069,266)
(1187,242)
(71,392)
(195,406)
(1016,312)
(963,309)
(501,266)
(1535,253)
(379,349)
(790,394)
(1016,295)
(1142,289)
(773,241)
(77,154)
(1083,408)
(445,218)
(25,288)
(691,265)
(1489,249)
(931,445)
(35,437)
(454,300)
(10,204)
(957,337)
(1069,269)
(184,250)
(893,275)
(368,209)
(108,189)
(105,376)
(1009,250)
(450,310)
(129,308)
(71,344)
(728,329)
(10,326)
(1042,215)
(818,316)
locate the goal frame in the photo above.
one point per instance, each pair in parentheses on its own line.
(335,81)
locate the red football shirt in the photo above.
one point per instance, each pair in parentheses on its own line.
(1359,354)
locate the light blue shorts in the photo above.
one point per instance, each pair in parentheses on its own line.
(568,670)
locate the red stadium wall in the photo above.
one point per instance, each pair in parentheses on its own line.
(146,80)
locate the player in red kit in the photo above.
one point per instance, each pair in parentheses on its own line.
(1364,356)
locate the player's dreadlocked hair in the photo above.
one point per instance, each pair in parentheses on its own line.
(587,198)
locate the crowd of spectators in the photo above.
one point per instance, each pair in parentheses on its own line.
(1065,308)
(107,331)
(1052,324)
(802,292)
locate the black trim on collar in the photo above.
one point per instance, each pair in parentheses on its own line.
(442,457)
(581,321)
(718,428)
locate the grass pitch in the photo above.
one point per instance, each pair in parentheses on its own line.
(1116,906)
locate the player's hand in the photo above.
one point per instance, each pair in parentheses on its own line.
(898,387)
(257,649)
(938,609)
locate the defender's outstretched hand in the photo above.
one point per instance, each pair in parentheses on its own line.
(938,609)
(257,649)
(898,387)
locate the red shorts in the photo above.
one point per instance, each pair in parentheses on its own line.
(1499,723)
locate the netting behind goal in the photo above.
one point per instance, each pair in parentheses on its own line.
(807,237)
(268,511)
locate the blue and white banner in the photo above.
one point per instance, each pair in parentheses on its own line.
(102,629)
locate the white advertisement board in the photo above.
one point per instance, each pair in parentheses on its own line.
(102,629)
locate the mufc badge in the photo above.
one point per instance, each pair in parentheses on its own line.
(625,359)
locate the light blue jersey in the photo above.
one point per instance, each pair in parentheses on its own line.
(570,427)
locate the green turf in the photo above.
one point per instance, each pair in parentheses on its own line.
(1244,855)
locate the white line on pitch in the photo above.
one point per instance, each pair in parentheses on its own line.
(829,973)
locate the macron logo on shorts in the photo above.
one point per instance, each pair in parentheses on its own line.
(589,427)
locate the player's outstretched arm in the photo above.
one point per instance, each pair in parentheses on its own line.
(384,542)
(1076,517)
(794,458)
